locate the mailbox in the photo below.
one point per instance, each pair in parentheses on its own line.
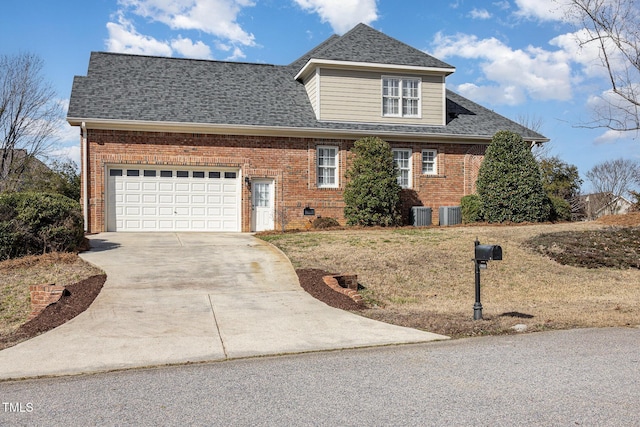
(488,253)
(483,254)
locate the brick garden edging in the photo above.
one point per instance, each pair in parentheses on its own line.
(42,296)
(346,284)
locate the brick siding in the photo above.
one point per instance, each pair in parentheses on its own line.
(289,161)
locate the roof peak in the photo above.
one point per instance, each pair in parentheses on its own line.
(365,44)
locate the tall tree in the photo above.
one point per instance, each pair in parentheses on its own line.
(615,177)
(612,25)
(509,182)
(29,116)
(559,178)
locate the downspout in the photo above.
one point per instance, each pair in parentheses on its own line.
(85,184)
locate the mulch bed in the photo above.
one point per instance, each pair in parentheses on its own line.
(311,281)
(77,299)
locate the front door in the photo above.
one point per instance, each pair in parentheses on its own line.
(262,205)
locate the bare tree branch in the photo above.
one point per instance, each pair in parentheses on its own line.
(28,116)
(614,177)
(613,26)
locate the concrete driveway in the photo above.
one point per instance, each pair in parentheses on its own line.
(191,297)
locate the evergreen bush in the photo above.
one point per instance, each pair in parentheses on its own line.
(36,223)
(471,207)
(372,194)
(560,209)
(509,182)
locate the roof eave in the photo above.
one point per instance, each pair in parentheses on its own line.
(253,130)
(314,63)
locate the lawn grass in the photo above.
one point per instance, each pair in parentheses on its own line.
(424,277)
(18,274)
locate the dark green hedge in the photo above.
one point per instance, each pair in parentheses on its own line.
(471,207)
(36,223)
(509,182)
(372,194)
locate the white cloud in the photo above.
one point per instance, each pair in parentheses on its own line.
(215,17)
(124,38)
(342,15)
(504,4)
(71,152)
(479,14)
(543,10)
(509,94)
(236,55)
(611,136)
(538,73)
(188,48)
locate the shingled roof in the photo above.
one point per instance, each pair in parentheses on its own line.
(364,44)
(124,87)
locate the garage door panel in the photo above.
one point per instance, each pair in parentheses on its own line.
(198,199)
(181,211)
(133,224)
(132,210)
(149,224)
(229,200)
(165,211)
(182,224)
(198,211)
(166,224)
(165,199)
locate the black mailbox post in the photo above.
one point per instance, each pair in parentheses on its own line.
(483,253)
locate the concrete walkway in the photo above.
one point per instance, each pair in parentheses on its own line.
(190,297)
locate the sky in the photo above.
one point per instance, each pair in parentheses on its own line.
(519,58)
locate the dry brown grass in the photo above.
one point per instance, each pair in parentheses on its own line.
(424,278)
(17,275)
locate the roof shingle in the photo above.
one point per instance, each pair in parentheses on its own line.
(157,89)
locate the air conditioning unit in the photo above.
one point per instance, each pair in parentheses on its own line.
(420,216)
(450,215)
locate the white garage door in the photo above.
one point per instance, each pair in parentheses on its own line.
(172,199)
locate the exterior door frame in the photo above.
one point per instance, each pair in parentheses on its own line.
(258,220)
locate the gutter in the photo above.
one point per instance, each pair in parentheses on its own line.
(217,129)
(85,184)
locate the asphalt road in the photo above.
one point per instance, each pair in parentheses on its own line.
(567,378)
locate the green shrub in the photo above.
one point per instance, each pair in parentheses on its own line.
(471,207)
(372,195)
(509,182)
(36,223)
(325,222)
(560,209)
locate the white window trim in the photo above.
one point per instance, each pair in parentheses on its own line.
(410,180)
(336,167)
(435,161)
(400,97)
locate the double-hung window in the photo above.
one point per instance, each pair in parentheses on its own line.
(400,97)
(429,162)
(327,167)
(402,159)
